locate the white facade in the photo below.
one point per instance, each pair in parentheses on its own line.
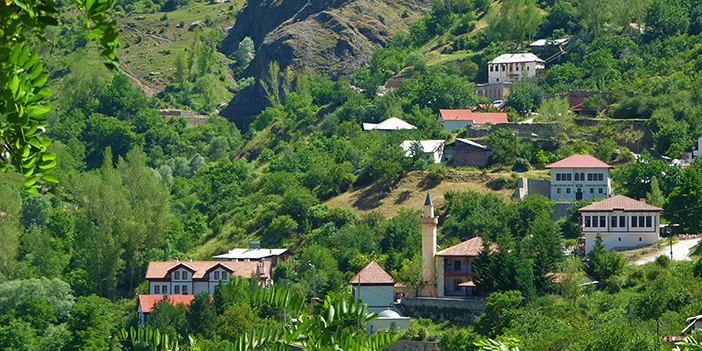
(513,67)
(580,183)
(181,283)
(620,229)
(431,148)
(378,297)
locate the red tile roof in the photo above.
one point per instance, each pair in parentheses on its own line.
(579,161)
(476,117)
(147,302)
(470,247)
(620,203)
(372,274)
(159,270)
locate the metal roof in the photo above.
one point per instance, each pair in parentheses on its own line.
(250,254)
(516,58)
(392,123)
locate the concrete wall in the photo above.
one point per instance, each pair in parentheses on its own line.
(441,309)
(543,130)
(378,298)
(530,186)
(560,209)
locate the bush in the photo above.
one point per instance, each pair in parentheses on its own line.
(498,183)
(437,171)
(521,165)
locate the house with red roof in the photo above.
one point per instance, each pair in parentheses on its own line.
(454,268)
(374,286)
(147,302)
(622,222)
(455,119)
(580,177)
(192,277)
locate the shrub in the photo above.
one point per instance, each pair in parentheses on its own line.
(521,165)
(437,171)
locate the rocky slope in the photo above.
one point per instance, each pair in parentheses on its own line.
(331,37)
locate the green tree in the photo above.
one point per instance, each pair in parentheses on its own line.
(36,210)
(685,197)
(605,149)
(499,311)
(601,264)
(503,146)
(411,273)
(663,294)
(245,52)
(271,84)
(202,316)
(667,18)
(571,282)
(517,21)
(655,197)
(595,15)
(524,96)
(555,110)
(169,319)
(91,322)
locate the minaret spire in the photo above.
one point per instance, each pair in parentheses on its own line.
(429,223)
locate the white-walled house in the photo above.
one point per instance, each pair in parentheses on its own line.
(621,221)
(431,148)
(580,177)
(374,286)
(505,70)
(275,256)
(192,277)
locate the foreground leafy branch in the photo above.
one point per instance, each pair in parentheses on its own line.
(23,80)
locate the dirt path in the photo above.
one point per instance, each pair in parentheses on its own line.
(681,252)
(145,88)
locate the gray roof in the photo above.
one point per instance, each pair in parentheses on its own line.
(473,143)
(516,58)
(428,201)
(392,123)
(251,254)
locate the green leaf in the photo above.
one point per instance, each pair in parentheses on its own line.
(49,178)
(48,165)
(32,60)
(14,84)
(29,182)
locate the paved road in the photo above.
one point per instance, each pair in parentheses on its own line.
(681,252)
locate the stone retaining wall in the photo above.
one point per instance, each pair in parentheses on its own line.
(542,130)
(442,309)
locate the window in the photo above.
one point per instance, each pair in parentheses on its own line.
(157,290)
(622,221)
(567,190)
(558,190)
(603,221)
(633,221)
(577,177)
(614,221)
(516,68)
(639,239)
(589,177)
(620,239)
(216,275)
(600,177)
(176,289)
(582,176)
(457,265)
(600,190)
(641,221)
(185,275)
(592,190)
(164,289)
(176,275)
(595,222)
(587,221)
(510,68)
(527,68)
(497,79)
(185,289)
(648,221)
(558,177)
(569,177)
(490,68)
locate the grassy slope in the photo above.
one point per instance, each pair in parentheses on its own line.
(157,51)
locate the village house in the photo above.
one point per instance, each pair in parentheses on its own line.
(255,253)
(621,221)
(433,149)
(388,125)
(466,153)
(580,177)
(192,277)
(455,271)
(505,70)
(459,118)
(374,286)
(147,302)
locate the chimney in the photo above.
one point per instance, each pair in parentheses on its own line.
(643,200)
(189,260)
(175,259)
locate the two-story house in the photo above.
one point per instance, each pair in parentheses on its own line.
(621,221)
(580,177)
(192,277)
(455,271)
(505,70)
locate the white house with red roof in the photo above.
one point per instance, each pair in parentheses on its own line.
(459,118)
(621,221)
(580,177)
(192,277)
(374,286)
(147,302)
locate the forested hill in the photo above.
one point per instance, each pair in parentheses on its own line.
(136,187)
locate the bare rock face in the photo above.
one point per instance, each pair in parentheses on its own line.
(330,37)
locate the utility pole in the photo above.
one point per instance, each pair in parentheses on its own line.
(314,278)
(670,234)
